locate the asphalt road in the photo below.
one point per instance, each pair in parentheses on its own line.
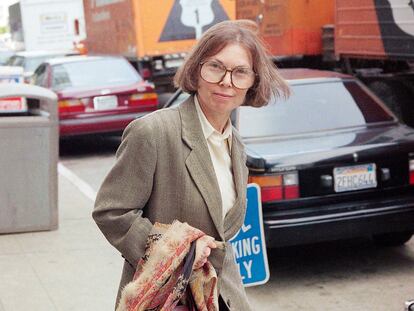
(342,275)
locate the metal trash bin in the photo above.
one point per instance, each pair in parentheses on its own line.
(29,150)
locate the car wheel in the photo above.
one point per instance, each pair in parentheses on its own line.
(392,239)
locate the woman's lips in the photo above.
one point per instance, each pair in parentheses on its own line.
(222,95)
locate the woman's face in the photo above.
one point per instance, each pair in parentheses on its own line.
(221,98)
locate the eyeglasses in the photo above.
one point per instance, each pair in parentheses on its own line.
(214,72)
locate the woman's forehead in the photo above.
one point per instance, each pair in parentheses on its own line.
(234,55)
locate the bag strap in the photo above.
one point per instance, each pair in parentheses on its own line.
(187,270)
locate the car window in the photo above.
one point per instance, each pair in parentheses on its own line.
(39,76)
(313,107)
(178,100)
(5,56)
(15,61)
(92,73)
(31,63)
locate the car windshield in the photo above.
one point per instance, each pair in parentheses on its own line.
(93,73)
(5,56)
(28,63)
(178,100)
(15,61)
(313,107)
(31,63)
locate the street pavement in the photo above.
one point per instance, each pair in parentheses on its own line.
(75,268)
(72,268)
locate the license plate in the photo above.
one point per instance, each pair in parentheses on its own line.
(13,105)
(355,177)
(105,102)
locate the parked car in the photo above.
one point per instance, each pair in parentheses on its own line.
(30,60)
(12,105)
(332,162)
(5,55)
(5,52)
(97,94)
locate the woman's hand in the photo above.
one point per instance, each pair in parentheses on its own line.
(203,250)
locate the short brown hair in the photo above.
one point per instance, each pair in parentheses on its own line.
(244,32)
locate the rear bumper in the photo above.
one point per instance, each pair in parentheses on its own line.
(95,125)
(343,222)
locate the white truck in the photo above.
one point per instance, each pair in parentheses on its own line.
(47,24)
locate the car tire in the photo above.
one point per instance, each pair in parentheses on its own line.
(393,238)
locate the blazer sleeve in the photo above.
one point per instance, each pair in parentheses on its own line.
(119,205)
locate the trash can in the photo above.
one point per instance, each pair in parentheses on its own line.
(29,144)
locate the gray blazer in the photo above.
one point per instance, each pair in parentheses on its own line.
(164,172)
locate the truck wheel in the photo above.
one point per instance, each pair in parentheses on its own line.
(393,238)
(386,91)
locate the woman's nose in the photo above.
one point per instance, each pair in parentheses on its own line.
(226,81)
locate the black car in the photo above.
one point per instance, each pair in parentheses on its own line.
(332,162)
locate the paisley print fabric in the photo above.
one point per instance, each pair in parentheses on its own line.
(164,280)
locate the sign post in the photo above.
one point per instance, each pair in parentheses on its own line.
(249,244)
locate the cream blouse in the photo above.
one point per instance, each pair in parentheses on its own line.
(219,145)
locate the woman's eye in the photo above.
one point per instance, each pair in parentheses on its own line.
(215,65)
(242,71)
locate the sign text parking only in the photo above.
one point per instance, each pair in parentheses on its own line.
(249,244)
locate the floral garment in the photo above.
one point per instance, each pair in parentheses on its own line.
(163,273)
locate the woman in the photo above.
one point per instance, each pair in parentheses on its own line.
(188,162)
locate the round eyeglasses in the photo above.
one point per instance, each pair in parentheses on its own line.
(214,72)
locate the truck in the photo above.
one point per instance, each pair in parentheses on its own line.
(153,35)
(370,39)
(46,24)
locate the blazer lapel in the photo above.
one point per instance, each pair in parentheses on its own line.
(235,217)
(199,163)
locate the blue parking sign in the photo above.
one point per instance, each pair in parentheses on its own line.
(249,244)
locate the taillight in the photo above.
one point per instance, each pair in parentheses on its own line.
(290,186)
(143,99)
(71,105)
(277,187)
(411,168)
(270,185)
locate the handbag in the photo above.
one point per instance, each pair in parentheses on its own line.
(164,278)
(187,269)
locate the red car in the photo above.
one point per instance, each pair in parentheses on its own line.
(97,94)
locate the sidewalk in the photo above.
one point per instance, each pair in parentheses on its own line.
(72,268)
